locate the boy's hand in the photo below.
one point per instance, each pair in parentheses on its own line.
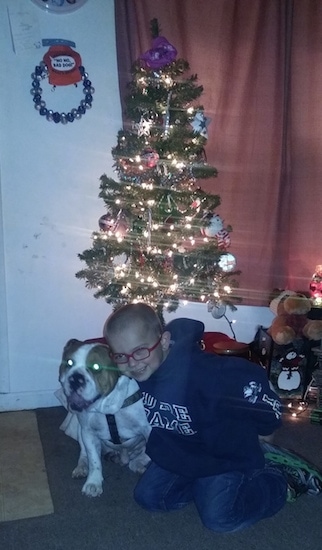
(266,438)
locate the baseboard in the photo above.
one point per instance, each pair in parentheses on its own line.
(27,400)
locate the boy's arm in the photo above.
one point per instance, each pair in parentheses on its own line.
(249,395)
(264,403)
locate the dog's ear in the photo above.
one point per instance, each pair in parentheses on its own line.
(71,345)
(106,372)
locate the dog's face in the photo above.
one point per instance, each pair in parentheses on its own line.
(86,373)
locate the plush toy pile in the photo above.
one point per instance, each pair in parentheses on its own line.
(291,322)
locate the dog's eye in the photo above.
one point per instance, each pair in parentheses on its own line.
(95,367)
(69,363)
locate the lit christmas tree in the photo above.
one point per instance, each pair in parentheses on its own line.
(160,240)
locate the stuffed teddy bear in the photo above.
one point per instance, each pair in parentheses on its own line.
(291,322)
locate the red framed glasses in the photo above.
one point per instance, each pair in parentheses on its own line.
(137,355)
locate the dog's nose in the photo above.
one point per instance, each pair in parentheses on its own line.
(76,381)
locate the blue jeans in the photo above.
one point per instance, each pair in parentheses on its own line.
(225,502)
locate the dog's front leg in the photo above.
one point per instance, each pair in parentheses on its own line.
(93,487)
(137,457)
(81,469)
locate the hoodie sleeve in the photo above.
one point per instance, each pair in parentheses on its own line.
(250,395)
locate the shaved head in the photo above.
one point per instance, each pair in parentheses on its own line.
(141,316)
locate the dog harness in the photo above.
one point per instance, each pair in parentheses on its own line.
(115,438)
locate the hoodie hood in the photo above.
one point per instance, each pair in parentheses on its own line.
(187,331)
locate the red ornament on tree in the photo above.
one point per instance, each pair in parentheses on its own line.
(149,158)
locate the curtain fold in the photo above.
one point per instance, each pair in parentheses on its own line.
(258,61)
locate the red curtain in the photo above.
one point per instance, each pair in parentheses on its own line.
(260,63)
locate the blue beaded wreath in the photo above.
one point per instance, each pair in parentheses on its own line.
(41,72)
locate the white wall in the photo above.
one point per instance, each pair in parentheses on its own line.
(245,320)
(50,183)
(49,176)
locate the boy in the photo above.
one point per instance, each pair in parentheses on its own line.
(207,413)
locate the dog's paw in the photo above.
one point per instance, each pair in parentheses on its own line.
(138,469)
(92,489)
(139,464)
(113,456)
(80,471)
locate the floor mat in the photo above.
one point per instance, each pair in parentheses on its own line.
(24,490)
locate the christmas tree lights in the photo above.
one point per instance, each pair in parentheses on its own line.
(160,239)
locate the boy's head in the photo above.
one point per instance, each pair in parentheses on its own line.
(136,338)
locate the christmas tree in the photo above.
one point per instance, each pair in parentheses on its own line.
(160,240)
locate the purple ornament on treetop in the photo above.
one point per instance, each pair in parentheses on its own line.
(161,53)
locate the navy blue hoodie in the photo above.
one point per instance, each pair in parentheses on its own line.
(206,411)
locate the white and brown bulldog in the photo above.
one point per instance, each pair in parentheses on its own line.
(106,413)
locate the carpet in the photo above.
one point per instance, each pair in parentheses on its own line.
(24,490)
(115,522)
